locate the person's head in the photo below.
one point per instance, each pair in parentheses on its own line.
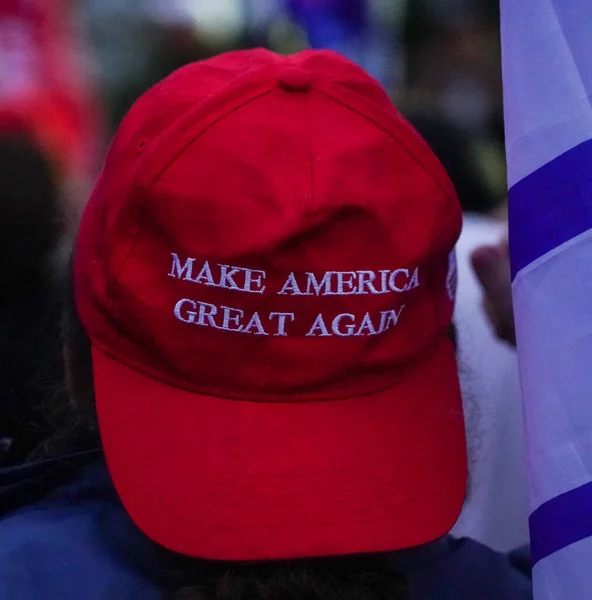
(265,278)
(31,228)
(30,204)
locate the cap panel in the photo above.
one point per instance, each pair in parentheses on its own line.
(385,116)
(159,125)
(159,151)
(365,164)
(362,225)
(449,221)
(241,186)
(231,198)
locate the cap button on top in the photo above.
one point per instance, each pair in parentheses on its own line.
(295,79)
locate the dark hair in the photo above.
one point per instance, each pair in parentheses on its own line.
(73,416)
(361,577)
(31,227)
(32,223)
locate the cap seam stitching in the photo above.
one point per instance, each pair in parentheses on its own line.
(389,133)
(158,90)
(157,177)
(407,150)
(160,173)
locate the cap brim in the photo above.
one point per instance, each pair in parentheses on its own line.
(235,480)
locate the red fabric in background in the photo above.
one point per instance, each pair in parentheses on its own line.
(45,82)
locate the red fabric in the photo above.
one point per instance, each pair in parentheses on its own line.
(44,80)
(234,436)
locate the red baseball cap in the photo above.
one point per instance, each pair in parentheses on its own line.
(265,272)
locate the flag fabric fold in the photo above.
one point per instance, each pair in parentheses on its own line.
(547,69)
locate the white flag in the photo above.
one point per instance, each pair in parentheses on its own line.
(547,63)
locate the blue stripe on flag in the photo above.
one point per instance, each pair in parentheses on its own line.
(560,522)
(551,206)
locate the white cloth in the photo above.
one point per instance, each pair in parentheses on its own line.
(496,510)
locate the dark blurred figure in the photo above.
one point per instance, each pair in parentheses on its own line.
(30,232)
(458,152)
(453,61)
(174,46)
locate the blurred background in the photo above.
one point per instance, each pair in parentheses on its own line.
(69,71)
(438,58)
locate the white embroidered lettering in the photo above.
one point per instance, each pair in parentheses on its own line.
(323,288)
(188,316)
(281,330)
(226,280)
(389,318)
(291,286)
(256,323)
(366,279)
(232,315)
(329,283)
(255,277)
(178,271)
(384,281)
(319,324)
(346,279)
(348,329)
(207,311)
(205,275)
(366,325)
(393,280)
